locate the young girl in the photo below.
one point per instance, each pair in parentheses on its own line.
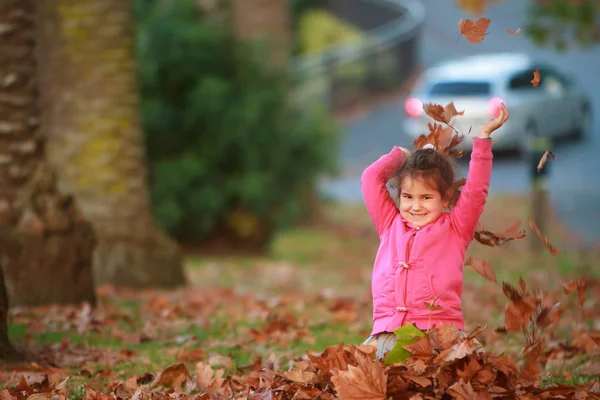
(422,247)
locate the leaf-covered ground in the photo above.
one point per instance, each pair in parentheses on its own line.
(290,326)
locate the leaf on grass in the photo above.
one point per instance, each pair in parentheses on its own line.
(474,31)
(173,376)
(492,239)
(366,381)
(544,159)
(518,30)
(405,335)
(483,268)
(536,78)
(544,239)
(207,379)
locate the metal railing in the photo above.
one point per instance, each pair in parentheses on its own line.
(385,59)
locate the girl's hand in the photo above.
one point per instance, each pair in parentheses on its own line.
(493,124)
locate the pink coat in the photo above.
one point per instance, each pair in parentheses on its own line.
(413,265)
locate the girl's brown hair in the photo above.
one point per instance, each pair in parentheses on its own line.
(431,166)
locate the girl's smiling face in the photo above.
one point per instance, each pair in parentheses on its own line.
(420,204)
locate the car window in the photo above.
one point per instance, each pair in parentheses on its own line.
(460,89)
(550,80)
(521,81)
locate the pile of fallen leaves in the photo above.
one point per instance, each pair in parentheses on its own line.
(442,364)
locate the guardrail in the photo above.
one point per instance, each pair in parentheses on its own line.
(387,57)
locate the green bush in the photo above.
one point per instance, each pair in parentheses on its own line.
(223,137)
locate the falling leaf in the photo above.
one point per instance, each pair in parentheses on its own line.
(536,78)
(442,114)
(492,239)
(483,268)
(514,32)
(474,31)
(366,381)
(544,159)
(544,239)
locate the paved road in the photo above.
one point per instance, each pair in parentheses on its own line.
(574,184)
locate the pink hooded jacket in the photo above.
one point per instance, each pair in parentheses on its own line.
(414,266)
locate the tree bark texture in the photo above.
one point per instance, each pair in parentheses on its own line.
(90,105)
(267,19)
(45,245)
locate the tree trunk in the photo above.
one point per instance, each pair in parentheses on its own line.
(91,113)
(6,350)
(264,19)
(45,246)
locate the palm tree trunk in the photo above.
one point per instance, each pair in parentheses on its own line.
(90,101)
(264,19)
(45,245)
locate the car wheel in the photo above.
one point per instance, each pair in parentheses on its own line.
(583,122)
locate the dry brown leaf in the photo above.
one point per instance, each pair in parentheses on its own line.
(442,114)
(492,239)
(462,391)
(366,381)
(536,78)
(518,30)
(191,355)
(173,376)
(207,379)
(544,239)
(333,358)
(474,31)
(300,376)
(544,159)
(483,268)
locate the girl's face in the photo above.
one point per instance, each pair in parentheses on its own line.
(420,204)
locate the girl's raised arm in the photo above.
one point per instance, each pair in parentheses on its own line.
(380,205)
(471,202)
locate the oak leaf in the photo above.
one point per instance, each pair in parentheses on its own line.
(474,31)
(536,78)
(366,381)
